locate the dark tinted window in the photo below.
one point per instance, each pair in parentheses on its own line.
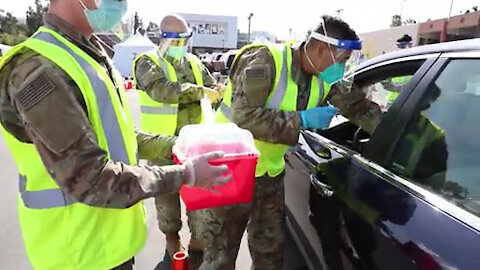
(230,60)
(440,148)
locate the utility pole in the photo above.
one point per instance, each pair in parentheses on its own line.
(444,32)
(249,24)
(401,10)
(450,12)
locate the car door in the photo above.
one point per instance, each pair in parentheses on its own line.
(329,212)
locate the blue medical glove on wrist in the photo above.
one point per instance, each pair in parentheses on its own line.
(318,117)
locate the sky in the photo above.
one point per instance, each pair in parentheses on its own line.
(278,17)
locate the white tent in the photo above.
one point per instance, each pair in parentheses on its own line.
(4,49)
(262,40)
(126,52)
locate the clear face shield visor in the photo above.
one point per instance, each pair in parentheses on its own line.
(175,45)
(404,45)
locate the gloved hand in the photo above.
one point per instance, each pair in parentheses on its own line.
(220,88)
(199,172)
(212,94)
(318,117)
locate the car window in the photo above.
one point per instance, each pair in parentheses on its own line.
(440,147)
(380,85)
(230,60)
(386,83)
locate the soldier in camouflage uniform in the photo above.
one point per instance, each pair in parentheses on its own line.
(253,75)
(43,106)
(185,92)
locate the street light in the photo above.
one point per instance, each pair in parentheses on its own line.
(249,23)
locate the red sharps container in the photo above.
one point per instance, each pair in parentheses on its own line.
(240,157)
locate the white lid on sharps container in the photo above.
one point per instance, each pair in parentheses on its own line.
(194,140)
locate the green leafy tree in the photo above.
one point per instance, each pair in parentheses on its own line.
(35,16)
(396,21)
(11,32)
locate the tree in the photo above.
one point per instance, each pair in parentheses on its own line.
(137,23)
(475,8)
(396,21)
(11,32)
(35,16)
(8,23)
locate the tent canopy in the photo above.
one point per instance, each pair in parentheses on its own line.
(126,52)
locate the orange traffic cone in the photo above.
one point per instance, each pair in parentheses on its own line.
(180,261)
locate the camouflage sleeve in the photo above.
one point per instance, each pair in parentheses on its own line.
(208,80)
(151,79)
(68,146)
(253,76)
(355,106)
(155,148)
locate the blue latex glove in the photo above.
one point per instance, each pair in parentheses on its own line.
(318,117)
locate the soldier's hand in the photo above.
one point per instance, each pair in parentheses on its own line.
(318,117)
(200,173)
(220,88)
(211,94)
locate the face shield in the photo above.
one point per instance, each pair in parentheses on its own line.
(341,51)
(404,45)
(175,45)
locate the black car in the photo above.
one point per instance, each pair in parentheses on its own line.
(406,196)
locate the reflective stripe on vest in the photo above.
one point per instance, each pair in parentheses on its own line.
(227,111)
(42,199)
(279,92)
(51,198)
(116,145)
(164,109)
(163,65)
(281,89)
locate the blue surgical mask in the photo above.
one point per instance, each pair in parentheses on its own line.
(106,16)
(333,73)
(177,52)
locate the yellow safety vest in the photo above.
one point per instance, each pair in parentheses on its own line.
(282,97)
(58,231)
(400,82)
(156,117)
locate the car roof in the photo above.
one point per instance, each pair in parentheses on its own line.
(453,46)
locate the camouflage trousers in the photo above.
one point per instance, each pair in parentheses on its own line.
(169,214)
(220,230)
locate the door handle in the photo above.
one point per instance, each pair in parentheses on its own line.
(322,188)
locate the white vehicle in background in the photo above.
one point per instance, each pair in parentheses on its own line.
(222,62)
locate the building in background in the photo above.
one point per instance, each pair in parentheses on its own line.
(382,41)
(212,33)
(464,26)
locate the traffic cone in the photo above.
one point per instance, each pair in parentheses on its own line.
(180,261)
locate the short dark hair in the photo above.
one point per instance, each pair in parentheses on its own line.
(405,38)
(336,28)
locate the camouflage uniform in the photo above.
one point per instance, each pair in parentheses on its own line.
(57,123)
(253,76)
(152,79)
